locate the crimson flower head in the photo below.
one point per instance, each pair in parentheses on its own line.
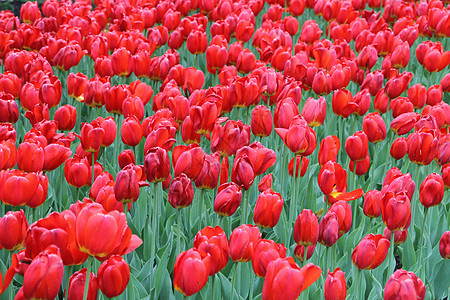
(268,209)
(329,229)
(396,211)
(404,285)
(13,229)
(181,192)
(314,111)
(113,276)
(242,240)
(328,150)
(444,245)
(156,165)
(77,282)
(263,253)
(277,284)
(214,242)
(431,190)
(191,271)
(374,127)
(357,146)
(370,252)
(335,285)
(243,173)
(306,228)
(228,199)
(299,137)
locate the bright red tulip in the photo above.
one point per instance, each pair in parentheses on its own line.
(356,146)
(370,252)
(76,285)
(374,127)
(261,121)
(156,165)
(335,285)
(399,235)
(399,148)
(314,111)
(214,242)
(113,276)
(13,229)
(404,285)
(431,190)
(268,209)
(404,123)
(372,204)
(228,199)
(306,228)
(263,253)
(444,245)
(328,150)
(191,271)
(241,242)
(396,211)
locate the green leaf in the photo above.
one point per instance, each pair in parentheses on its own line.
(162,267)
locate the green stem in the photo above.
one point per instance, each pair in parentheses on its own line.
(421,256)
(305,255)
(358,281)
(293,193)
(212,286)
(391,257)
(244,207)
(178,231)
(203,221)
(252,283)
(88,273)
(233,279)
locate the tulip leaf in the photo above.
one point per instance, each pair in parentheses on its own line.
(440,280)
(161,270)
(138,288)
(144,272)
(226,286)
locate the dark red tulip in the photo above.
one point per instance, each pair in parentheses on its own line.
(181,192)
(343,103)
(229,138)
(125,158)
(228,199)
(397,84)
(156,165)
(444,245)
(329,229)
(208,176)
(399,235)
(126,186)
(299,252)
(243,172)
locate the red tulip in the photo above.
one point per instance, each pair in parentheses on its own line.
(30,157)
(335,285)
(113,276)
(304,162)
(404,123)
(343,103)
(76,285)
(156,165)
(228,199)
(131,131)
(374,127)
(268,209)
(444,245)
(209,173)
(243,173)
(191,271)
(399,148)
(417,94)
(399,235)
(299,138)
(422,147)
(372,204)
(103,234)
(329,229)
(121,62)
(431,190)
(241,242)
(265,183)
(404,285)
(285,279)
(314,111)
(261,158)
(356,146)
(66,117)
(30,188)
(214,242)
(229,138)
(197,42)
(310,32)
(396,211)
(126,187)
(397,84)
(9,111)
(13,229)
(261,121)
(181,192)
(328,150)
(263,253)
(44,276)
(370,252)
(343,211)
(299,252)
(306,228)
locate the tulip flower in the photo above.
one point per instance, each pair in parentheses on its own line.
(399,148)
(276,285)
(397,84)
(310,32)
(243,173)
(263,253)
(396,211)
(372,204)
(131,131)
(417,94)
(299,252)
(343,211)
(56,229)
(228,199)
(422,147)
(431,190)
(103,234)
(306,228)
(14,228)
(445,170)
(213,241)
(374,127)
(126,187)
(156,165)
(191,271)
(261,121)
(268,209)
(299,138)
(328,150)
(77,171)
(229,138)
(77,283)
(30,188)
(197,42)
(30,157)
(404,285)
(444,245)
(335,285)
(343,103)
(399,235)
(314,111)
(304,165)
(329,229)
(113,276)
(189,161)
(208,176)
(241,242)
(370,252)
(181,192)
(356,146)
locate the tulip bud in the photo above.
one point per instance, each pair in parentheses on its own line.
(268,209)
(299,252)
(444,245)
(374,127)
(372,204)
(181,192)
(156,165)
(228,199)
(306,228)
(329,229)
(261,121)
(126,187)
(399,235)
(265,183)
(399,148)
(191,271)
(125,158)
(113,276)
(431,190)
(356,146)
(13,229)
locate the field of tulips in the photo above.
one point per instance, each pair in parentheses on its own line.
(225,149)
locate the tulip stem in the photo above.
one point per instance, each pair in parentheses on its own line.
(88,273)
(233,279)
(391,257)
(421,256)
(244,207)
(358,281)
(178,231)
(291,209)
(305,254)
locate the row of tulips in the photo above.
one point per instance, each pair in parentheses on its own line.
(89,72)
